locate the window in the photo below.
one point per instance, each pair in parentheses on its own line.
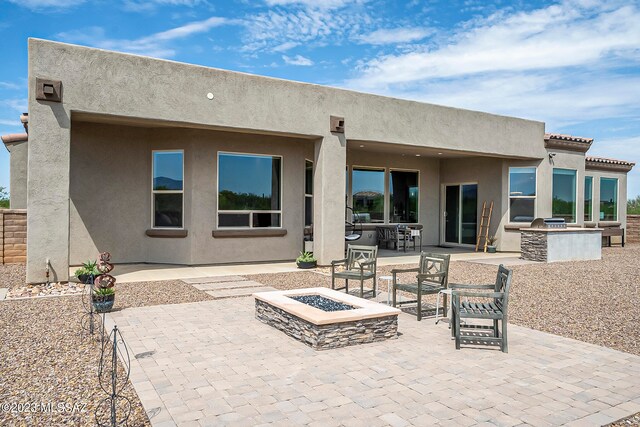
(608,199)
(563,203)
(522,194)
(403,194)
(249,191)
(167,189)
(367,187)
(308,192)
(588,198)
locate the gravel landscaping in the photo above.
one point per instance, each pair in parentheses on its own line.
(48,360)
(45,359)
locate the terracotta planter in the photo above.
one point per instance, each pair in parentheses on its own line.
(103,303)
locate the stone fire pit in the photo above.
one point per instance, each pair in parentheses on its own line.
(323,318)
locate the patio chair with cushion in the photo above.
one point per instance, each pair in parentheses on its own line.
(360,264)
(432,277)
(487,302)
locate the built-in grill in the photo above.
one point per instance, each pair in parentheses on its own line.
(549,223)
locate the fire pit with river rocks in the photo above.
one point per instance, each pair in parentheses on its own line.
(323,318)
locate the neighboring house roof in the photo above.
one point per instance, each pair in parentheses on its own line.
(571,138)
(567,142)
(14,137)
(604,163)
(24,118)
(18,137)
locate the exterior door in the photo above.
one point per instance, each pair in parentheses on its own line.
(452,214)
(461,214)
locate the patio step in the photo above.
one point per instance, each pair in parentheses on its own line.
(239,292)
(214,279)
(227,285)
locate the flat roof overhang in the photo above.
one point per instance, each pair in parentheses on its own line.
(92,117)
(356,146)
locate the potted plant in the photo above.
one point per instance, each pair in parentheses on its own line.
(104,294)
(306,260)
(103,299)
(87,272)
(491,247)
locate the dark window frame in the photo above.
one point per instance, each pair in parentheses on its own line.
(251,213)
(154,191)
(528,197)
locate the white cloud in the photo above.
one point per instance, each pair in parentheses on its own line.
(14,123)
(395,35)
(285,47)
(149,5)
(39,5)
(568,34)
(565,65)
(316,4)
(155,45)
(297,60)
(17,104)
(8,85)
(277,30)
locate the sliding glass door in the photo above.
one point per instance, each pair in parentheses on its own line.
(461,214)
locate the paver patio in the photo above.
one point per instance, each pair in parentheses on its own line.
(215,364)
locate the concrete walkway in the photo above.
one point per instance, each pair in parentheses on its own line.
(213,363)
(125,273)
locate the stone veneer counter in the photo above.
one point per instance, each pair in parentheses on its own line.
(368,322)
(561,244)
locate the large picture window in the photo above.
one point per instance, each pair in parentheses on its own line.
(367,187)
(588,198)
(403,194)
(563,203)
(168,189)
(522,194)
(308,192)
(608,199)
(249,191)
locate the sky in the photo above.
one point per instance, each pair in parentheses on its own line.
(574,64)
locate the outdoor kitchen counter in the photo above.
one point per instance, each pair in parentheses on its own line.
(561,244)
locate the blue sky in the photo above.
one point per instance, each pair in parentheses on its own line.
(573,64)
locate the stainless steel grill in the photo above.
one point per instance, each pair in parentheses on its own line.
(549,223)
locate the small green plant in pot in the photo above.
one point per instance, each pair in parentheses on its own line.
(491,247)
(306,260)
(87,272)
(104,293)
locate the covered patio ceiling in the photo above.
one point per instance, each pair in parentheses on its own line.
(356,146)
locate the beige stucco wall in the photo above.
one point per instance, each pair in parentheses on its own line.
(486,172)
(18,174)
(114,163)
(114,84)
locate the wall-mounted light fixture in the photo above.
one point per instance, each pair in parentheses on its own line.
(336,124)
(48,90)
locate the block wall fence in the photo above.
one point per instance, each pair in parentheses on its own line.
(633,229)
(13,236)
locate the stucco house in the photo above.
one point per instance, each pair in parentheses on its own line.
(164,162)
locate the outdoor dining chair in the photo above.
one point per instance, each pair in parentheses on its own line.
(490,302)
(431,278)
(360,264)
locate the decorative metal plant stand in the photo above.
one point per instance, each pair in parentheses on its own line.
(91,321)
(115,409)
